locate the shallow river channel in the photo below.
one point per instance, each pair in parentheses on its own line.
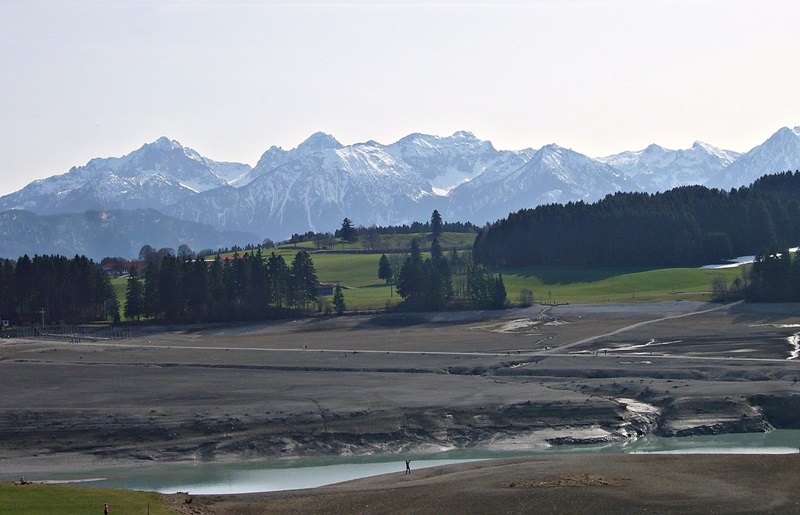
(272,475)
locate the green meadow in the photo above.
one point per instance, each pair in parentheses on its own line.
(78,500)
(356,270)
(358,274)
(364,291)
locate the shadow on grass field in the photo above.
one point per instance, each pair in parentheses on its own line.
(571,275)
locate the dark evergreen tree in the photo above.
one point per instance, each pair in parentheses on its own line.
(338,300)
(411,279)
(8,301)
(304,277)
(279,280)
(385,271)
(485,291)
(436,224)
(151,307)
(134,296)
(499,295)
(348,232)
(438,284)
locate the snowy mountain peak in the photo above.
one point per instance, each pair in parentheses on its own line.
(550,148)
(164,143)
(464,135)
(726,157)
(782,138)
(653,148)
(781,152)
(785,133)
(321,180)
(318,142)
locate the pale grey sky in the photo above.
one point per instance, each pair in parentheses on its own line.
(82,79)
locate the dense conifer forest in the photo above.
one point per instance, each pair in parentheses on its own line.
(247,287)
(57,289)
(774,277)
(686,226)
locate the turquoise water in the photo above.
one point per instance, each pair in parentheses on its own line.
(272,475)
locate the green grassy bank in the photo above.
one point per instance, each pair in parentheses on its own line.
(78,500)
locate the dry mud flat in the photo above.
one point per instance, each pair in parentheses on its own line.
(591,484)
(389,383)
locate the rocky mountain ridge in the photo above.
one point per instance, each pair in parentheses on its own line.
(321,181)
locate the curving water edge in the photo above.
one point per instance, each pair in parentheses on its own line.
(291,474)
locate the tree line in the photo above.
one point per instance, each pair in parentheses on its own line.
(350,233)
(774,277)
(433,283)
(686,226)
(246,287)
(57,289)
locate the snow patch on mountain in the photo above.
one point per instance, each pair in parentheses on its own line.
(659,169)
(318,183)
(779,153)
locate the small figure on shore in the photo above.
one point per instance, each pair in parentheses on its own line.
(408,466)
(105,509)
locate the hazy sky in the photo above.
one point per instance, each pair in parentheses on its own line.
(82,79)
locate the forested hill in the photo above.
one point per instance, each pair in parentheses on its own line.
(686,226)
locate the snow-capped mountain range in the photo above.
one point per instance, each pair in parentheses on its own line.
(320,182)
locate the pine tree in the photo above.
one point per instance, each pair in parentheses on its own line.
(499,293)
(436,224)
(484,290)
(134,296)
(338,300)
(347,232)
(304,277)
(385,271)
(438,284)
(411,280)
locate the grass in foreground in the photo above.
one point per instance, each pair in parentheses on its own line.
(69,499)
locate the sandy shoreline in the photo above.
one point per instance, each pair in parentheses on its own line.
(553,484)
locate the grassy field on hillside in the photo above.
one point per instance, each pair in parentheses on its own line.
(548,284)
(596,285)
(356,270)
(358,275)
(78,500)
